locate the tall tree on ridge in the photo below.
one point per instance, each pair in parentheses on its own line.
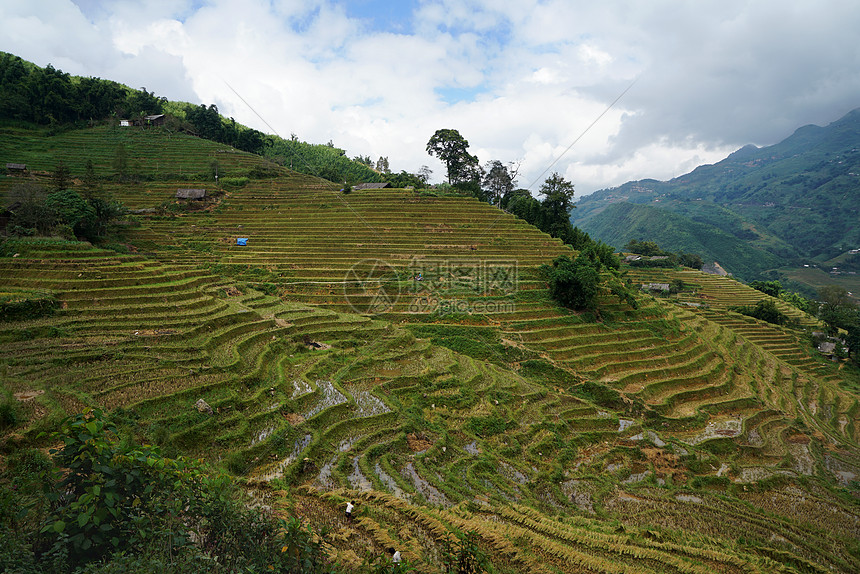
(453,149)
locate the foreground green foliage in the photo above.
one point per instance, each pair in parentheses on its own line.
(109,502)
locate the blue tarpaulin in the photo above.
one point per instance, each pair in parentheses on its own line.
(242,241)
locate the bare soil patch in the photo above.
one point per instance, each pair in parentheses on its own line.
(294,418)
(28,395)
(418,442)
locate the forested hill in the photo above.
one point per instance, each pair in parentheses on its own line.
(798,200)
(48,98)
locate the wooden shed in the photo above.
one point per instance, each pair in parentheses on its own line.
(16,168)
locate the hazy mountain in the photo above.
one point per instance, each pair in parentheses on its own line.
(790,202)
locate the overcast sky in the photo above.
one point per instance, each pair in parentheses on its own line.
(520,79)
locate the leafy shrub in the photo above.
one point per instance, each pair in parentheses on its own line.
(573,282)
(676,286)
(464,556)
(772,288)
(690,260)
(71,209)
(797,300)
(643,247)
(19,305)
(764,310)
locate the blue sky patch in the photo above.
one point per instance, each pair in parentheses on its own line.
(453,95)
(393,16)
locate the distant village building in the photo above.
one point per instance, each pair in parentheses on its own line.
(16,168)
(154,120)
(630,258)
(827,347)
(190,193)
(714,269)
(361,186)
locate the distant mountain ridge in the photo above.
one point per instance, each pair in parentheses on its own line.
(794,201)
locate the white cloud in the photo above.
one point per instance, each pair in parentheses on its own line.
(712,76)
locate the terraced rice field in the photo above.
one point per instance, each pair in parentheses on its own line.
(155,153)
(401,350)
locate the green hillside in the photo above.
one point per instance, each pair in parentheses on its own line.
(152,154)
(621,222)
(400,349)
(796,199)
(55,102)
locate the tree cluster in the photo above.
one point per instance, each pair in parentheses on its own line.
(453,149)
(206,122)
(576,281)
(61,210)
(489,183)
(552,214)
(406,179)
(651,249)
(573,282)
(320,160)
(764,310)
(842,316)
(775,289)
